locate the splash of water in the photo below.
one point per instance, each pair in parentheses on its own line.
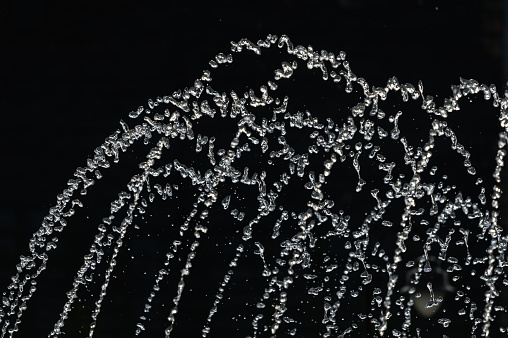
(430,221)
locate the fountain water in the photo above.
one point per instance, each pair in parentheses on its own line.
(324,207)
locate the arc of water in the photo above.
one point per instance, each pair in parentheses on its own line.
(181,127)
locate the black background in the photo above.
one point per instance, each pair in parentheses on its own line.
(69,71)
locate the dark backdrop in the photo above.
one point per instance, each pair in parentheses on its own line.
(69,71)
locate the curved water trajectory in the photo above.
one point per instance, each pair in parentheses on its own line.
(343,206)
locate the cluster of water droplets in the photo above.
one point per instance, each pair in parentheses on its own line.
(362,266)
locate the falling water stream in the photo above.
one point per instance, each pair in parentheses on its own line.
(347,206)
